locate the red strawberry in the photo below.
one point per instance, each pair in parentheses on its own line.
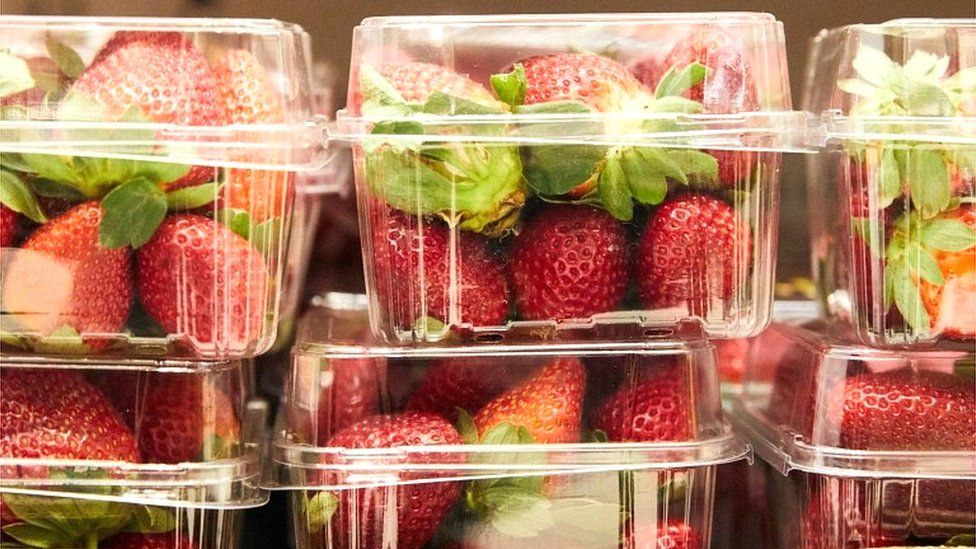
(598,82)
(183,417)
(420,507)
(952,305)
(467,383)
(249,96)
(693,252)
(902,410)
(71,280)
(421,265)
(202,281)
(728,88)
(353,395)
(164,76)
(9,226)
(731,355)
(57,414)
(415,81)
(570,262)
(548,404)
(655,407)
(168,540)
(674,534)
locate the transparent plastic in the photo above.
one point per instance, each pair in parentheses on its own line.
(121,412)
(891,195)
(864,446)
(485,147)
(149,173)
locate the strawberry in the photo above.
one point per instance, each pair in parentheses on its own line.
(693,251)
(9,226)
(952,305)
(353,395)
(168,540)
(248,96)
(57,414)
(674,534)
(548,404)
(902,410)
(420,507)
(474,186)
(731,355)
(164,76)
(598,82)
(70,279)
(728,88)
(655,407)
(570,262)
(466,383)
(184,418)
(202,281)
(422,269)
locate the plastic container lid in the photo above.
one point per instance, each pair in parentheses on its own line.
(790,406)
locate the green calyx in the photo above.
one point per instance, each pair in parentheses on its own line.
(441,169)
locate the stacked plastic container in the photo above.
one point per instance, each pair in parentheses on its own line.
(149,171)
(866,418)
(556,212)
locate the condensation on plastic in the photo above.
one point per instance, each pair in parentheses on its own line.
(784,410)
(850,272)
(336,335)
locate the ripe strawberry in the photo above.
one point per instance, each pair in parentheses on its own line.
(654,407)
(952,305)
(168,540)
(353,395)
(415,81)
(202,281)
(71,280)
(570,262)
(420,507)
(248,96)
(163,75)
(548,404)
(183,417)
(57,414)
(902,410)
(600,83)
(728,88)
(422,269)
(731,355)
(693,252)
(9,226)
(467,383)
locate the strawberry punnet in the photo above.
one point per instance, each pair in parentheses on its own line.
(654,408)
(570,262)
(548,404)
(420,507)
(201,280)
(413,259)
(475,186)
(66,279)
(161,74)
(693,252)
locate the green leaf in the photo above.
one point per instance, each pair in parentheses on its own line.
(874,66)
(929,182)
(377,91)
(78,521)
(586,521)
(696,165)
(16,195)
(266,235)
(597,435)
(961,540)
(63,340)
(36,536)
(517,514)
(466,427)
(923,264)
(925,99)
(950,235)
(510,87)
(15,75)
(673,104)
(14,162)
(53,189)
(889,178)
(49,166)
(236,220)
(675,82)
(614,190)
(659,161)
(554,107)
(131,214)
(150,520)
(66,58)
(445,104)
(196,196)
(646,187)
(907,298)
(319,510)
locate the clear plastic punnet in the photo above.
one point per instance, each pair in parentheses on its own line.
(568,170)
(148,178)
(892,195)
(497,444)
(865,447)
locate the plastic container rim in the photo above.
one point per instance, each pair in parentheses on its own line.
(566,19)
(185,24)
